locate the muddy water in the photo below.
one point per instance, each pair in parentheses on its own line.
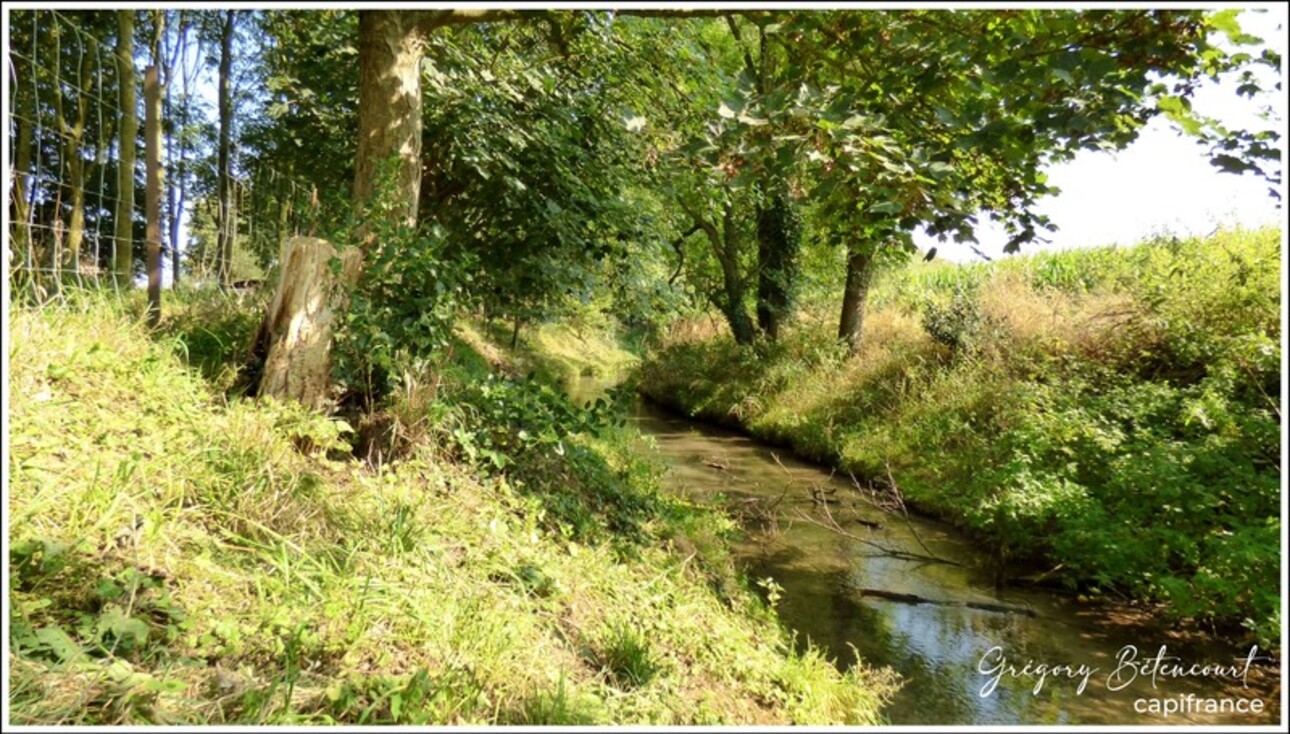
(960,664)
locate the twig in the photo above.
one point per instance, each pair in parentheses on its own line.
(900,500)
(886,551)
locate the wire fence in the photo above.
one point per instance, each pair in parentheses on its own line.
(75,220)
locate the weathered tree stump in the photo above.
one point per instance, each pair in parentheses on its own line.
(294,340)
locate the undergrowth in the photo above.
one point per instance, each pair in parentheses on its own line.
(1113,412)
(180,554)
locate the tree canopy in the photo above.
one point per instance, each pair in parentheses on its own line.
(676,158)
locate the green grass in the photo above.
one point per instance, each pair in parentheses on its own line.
(1114,411)
(557,352)
(180,555)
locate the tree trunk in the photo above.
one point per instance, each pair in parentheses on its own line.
(152,191)
(26,103)
(123,218)
(76,173)
(859,273)
(389,113)
(224,189)
(175,191)
(741,324)
(294,340)
(725,246)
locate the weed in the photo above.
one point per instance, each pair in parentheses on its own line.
(1113,410)
(625,655)
(183,555)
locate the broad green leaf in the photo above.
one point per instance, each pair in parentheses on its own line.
(60,643)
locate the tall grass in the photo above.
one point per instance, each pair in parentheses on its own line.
(180,555)
(1113,412)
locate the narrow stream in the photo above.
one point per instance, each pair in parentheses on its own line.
(959,663)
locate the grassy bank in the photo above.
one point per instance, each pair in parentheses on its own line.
(182,555)
(1112,413)
(556,352)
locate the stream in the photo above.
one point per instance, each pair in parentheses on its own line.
(979,656)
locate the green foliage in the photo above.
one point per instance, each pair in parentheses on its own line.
(1115,411)
(406,300)
(955,324)
(528,165)
(624,653)
(212,330)
(509,420)
(94,612)
(177,558)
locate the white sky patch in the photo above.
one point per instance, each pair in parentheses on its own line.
(1162,183)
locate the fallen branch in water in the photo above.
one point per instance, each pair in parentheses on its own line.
(900,500)
(916,599)
(821,496)
(833,526)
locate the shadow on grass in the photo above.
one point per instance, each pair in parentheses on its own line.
(212,331)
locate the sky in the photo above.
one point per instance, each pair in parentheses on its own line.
(1161,184)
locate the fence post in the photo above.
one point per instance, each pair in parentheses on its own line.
(152,152)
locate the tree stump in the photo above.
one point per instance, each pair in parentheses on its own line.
(294,340)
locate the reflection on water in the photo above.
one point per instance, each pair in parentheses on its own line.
(939,650)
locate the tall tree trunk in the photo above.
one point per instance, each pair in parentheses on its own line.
(224,188)
(741,324)
(859,275)
(725,247)
(152,191)
(26,104)
(389,112)
(174,191)
(123,218)
(76,173)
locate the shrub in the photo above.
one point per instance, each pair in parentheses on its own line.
(956,324)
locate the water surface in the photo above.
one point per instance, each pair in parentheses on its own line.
(947,655)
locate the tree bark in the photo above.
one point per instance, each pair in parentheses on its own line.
(175,191)
(859,274)
(224,189)
(26,104)
(123,218)
(778,241)
(152,164)
(725,246)
(389,112)
(76,173)
(741,324)
(294,340)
